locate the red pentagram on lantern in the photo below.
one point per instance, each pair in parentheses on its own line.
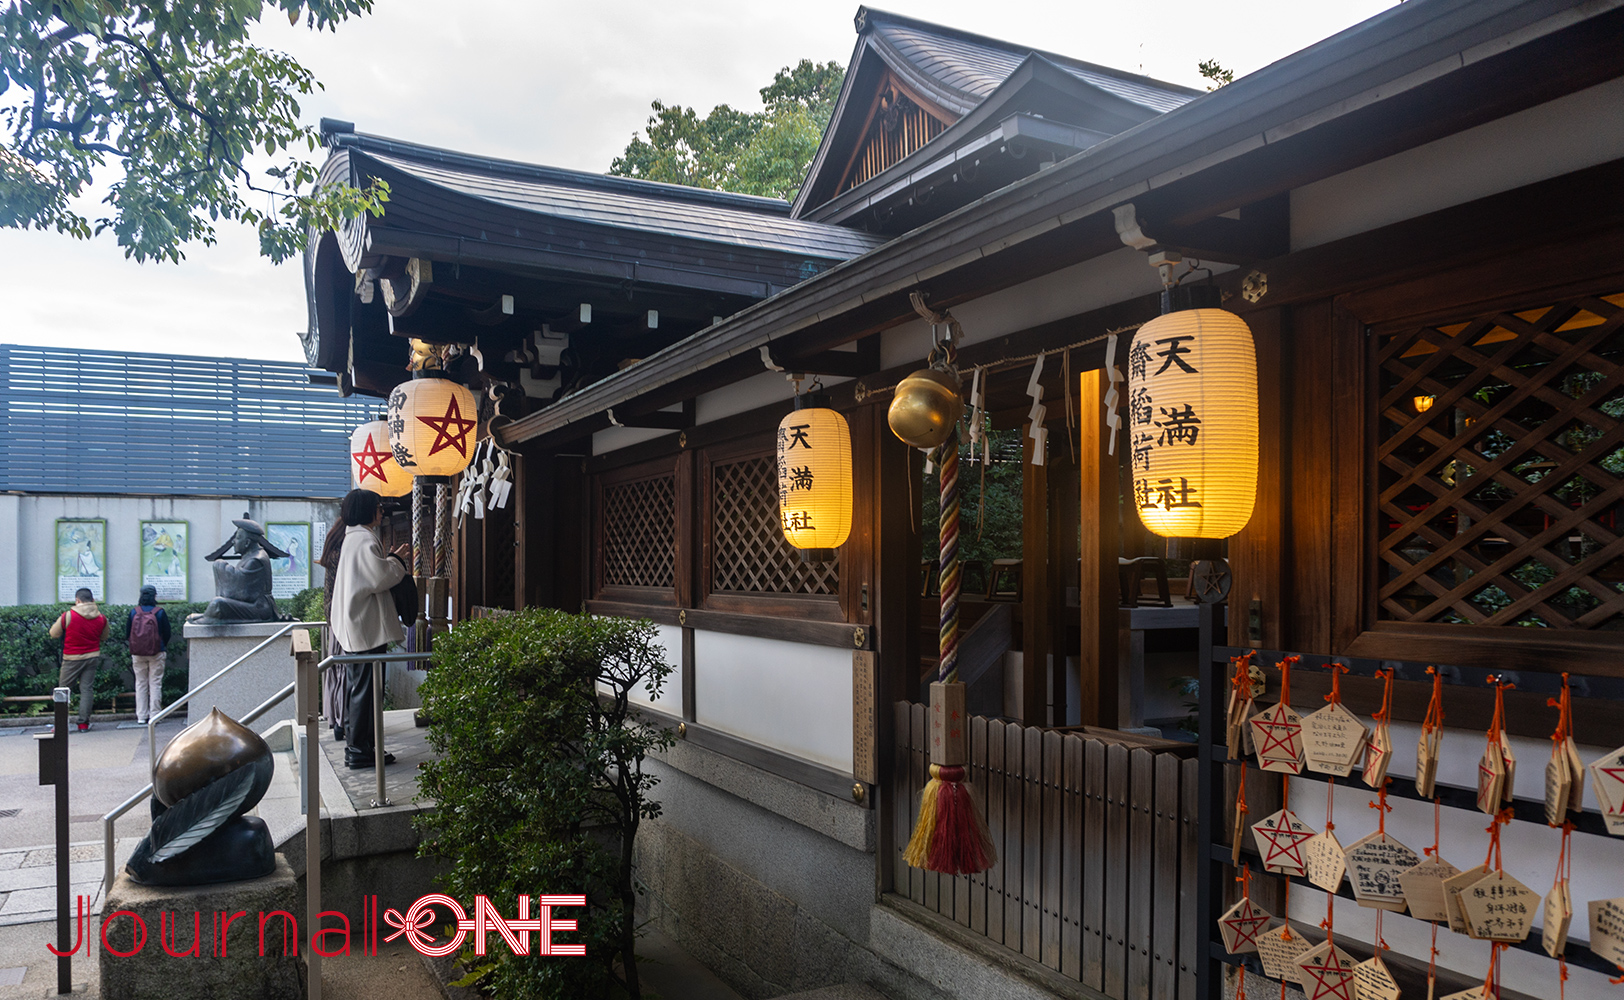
(369,461)
(451,430)
(1246,923)
(1332,977)
(1285,841)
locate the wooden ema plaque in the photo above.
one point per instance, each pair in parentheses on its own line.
(1281,838)
(1558,917)
(1327,973)
(1278,948)
(1452,888)
(1238,733)
(1374,866)
(1378,754)
(1423,888)
(1607,929)
(1491,776)
(1607,777)
(1373,981)
(949,725)
(1576,767)
(1497,907)
(1558,785)
(1326,860)
(1277,732)
(1426,762)
(1333,740)
(1508,762)
(1242,924)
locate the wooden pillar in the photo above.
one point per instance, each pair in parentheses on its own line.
(1256,552)
(1097,590)
(1036,639)
(1063,504)
(895,471)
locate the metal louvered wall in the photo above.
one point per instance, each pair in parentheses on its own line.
(74,421)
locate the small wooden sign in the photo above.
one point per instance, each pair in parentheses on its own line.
(1576,767)
(1508,761)
(1607,929)
(1333,740)
(1327,973)
(1452,888)
(1498,907)
(1241,925)
(1607,776)
(1426,761)
(1558,785)
(1423,888)
(1378,754)
(1327,860)
(949,724)
(1373,981)
(1281,838)
(1278,948)
(1557,918)
(1277,732)
(1491,776)
(1374,866)
(1239,730)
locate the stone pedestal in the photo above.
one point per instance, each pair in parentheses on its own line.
(211,647)
(227,965)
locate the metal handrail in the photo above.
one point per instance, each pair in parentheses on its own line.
(377,660)
(155,718)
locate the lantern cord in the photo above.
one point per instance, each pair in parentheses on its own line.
(948,453)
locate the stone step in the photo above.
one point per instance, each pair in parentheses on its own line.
(845,991)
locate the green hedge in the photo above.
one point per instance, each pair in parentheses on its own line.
(29,656)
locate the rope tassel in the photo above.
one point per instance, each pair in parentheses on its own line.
(951,835)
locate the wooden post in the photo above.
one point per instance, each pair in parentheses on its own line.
(1099,514)
(1036,640)
(894,613)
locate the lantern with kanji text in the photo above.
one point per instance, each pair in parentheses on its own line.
(372,461)
(432,422)
(814,478)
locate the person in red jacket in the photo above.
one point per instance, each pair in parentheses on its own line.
(80,628)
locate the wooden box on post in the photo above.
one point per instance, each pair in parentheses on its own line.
(949,725)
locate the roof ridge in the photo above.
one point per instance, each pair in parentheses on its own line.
(868,16)
(661,190)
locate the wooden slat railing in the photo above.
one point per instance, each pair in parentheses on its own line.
(1097,854)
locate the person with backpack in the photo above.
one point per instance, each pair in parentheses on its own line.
(80,628)
(147,632)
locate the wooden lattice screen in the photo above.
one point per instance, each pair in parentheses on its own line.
(748,550)
(1501,469)
(639,533)
(899,127)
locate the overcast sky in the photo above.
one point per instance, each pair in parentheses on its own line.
(565,85)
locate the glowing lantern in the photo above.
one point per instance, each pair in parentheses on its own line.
(373,465)
(431,425)
(814,478)
(1192,418)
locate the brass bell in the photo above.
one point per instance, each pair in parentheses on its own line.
(925,408)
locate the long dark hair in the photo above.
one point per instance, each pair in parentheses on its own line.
(357,507)
(333,543)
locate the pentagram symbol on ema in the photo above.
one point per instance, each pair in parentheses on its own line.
(1280,839)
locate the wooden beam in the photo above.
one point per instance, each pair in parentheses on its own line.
(1099,516)
(1256,552)
(1036,640)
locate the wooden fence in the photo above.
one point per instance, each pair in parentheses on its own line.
(1097,844)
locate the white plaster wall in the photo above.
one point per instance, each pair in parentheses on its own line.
(1564,135)
(669,700)
(1529,853)
(28,565)
(792,697)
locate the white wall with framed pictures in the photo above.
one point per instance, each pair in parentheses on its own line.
(81,557)
(165,547)
(290,574)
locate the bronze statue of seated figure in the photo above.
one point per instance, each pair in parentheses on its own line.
(242,578)
(206,779)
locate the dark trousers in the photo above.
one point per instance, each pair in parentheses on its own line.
(358,734)
(83,673)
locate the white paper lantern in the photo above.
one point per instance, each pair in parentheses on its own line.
(372,461)
(814,478)
(1192,423)
(432,423)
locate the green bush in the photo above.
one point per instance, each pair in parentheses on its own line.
(29,657)
(540,785)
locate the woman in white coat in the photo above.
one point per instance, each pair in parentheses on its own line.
(362,616)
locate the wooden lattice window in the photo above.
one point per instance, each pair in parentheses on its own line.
(639,533)
(897,126)
(1500,461)
(748,552)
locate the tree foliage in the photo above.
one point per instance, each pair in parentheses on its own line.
(539,782)
(175,98)
(766,152)
(1211,70)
